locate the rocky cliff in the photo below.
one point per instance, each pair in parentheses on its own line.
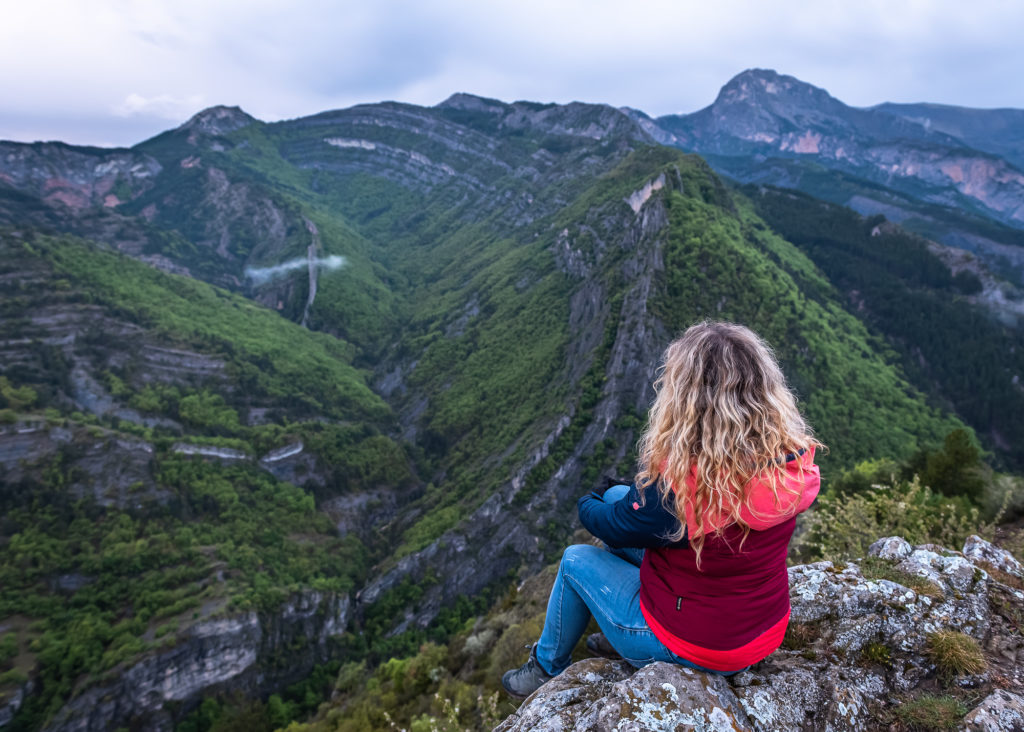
(249,653)
(762,114)
(949,172)
(911,637)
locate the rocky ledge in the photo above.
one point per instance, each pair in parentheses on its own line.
(911,637)
(247,653)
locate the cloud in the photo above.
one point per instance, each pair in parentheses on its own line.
(164,106)
(261,275)
(162,60)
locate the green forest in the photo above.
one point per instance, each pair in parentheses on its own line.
(179,452)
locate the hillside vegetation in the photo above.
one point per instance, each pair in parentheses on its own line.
(179,450)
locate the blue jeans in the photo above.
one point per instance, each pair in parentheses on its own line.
(604,583)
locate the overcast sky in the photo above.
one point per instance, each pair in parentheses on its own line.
(114,72)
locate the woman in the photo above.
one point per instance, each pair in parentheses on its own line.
(694,569)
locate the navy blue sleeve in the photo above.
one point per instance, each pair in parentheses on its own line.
(630,523)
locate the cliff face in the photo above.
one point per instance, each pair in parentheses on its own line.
(75,177)
(251,653)
(861,654)
(762,114)
(926,164)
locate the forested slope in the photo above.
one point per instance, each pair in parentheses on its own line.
(182,456)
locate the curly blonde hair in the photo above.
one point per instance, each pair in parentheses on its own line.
(723,411)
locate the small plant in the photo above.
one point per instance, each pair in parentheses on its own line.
(801,637)
(999,575)
(954,653)
(875,568)
(877,654)
(931,712)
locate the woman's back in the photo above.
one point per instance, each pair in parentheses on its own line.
(738,588)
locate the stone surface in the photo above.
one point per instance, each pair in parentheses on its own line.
(891,547)
(1000,711)
(977,549)
(217,655)
(857,649)
(614,696)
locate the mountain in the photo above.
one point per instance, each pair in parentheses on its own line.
(996,131)
(288,393)
(951,174)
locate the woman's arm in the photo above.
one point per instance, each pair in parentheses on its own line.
(630,522)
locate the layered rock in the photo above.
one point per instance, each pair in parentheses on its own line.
(858,648)
(251,653)
(913,163)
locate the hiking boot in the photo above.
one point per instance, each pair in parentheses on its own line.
(526,679)
(599,646)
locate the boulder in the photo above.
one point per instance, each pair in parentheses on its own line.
(858,649)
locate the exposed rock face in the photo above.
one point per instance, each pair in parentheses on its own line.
(76,177)
(996,131)
(246,652)
(863,652)
(218,120)
(1000,710)
(637,240)
(766,127)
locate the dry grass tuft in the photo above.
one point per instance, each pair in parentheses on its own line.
(954,653)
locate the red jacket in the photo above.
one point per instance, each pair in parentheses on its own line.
(733,610)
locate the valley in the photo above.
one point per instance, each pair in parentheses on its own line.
(216,485)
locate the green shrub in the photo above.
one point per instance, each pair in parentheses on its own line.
(876,654)
(15,676)
(17,398)
(875,568)
(843,526)
(929,712)
(8,647)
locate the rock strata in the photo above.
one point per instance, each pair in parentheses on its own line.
(245,652)
(857,652)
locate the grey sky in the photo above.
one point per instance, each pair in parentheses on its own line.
(111,72)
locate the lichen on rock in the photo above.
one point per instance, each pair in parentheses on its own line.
(839,679)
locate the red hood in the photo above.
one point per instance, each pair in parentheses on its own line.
(764,511)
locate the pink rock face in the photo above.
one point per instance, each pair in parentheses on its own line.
(102,186)
(954,171)
(111,200)
(70,197)
(807,143)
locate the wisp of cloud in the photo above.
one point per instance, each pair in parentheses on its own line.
(262,275)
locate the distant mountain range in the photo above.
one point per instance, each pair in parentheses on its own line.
(950,173)
(352,370)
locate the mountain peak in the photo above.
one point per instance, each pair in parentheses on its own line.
(471,102)
(218,120)
(764,85)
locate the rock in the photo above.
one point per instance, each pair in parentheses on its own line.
(251,652)
(891,547)
(1000,711)
(598,694)
(10,705)
(978,550)
(857,649)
